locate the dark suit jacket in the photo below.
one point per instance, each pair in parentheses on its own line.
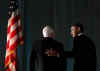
(84,54)
(47,55)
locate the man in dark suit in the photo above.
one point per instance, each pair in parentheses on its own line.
(84,50)
(47,53)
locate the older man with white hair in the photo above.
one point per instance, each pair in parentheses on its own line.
(48,32)
(47,53)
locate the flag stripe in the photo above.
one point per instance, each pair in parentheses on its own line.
(14,36)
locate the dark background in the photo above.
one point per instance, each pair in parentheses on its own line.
(57,13)
(60,14)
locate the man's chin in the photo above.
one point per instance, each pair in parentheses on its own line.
(73,36)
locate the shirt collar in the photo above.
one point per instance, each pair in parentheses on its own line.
(80,34)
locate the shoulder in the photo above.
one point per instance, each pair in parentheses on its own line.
(58,43)
(87,39)
(36,44)
(84,37)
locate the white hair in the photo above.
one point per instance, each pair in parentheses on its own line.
(47,31)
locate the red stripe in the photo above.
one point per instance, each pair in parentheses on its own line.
(8,69)
(7,44)
(7,59)
(13,46)
(12,22)
(19,28)
(8,31)
(21,39)
(12,34)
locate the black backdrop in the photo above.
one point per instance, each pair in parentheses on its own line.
(59,14)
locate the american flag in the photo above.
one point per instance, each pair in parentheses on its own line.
(14,35)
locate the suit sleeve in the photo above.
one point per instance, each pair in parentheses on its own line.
(62,58)
(33,57)
(92,51)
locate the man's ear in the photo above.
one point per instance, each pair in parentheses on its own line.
(52,35)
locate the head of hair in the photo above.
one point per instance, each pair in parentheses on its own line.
(79,26)
(47,31)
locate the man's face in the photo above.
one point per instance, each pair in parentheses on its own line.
(74,31)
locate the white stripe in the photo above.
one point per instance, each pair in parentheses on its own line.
(9,22)
(19,22)
(7,52)
(13,40)
(8,37)
(20,34)
(8,34)
(13,27)
(12,67)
